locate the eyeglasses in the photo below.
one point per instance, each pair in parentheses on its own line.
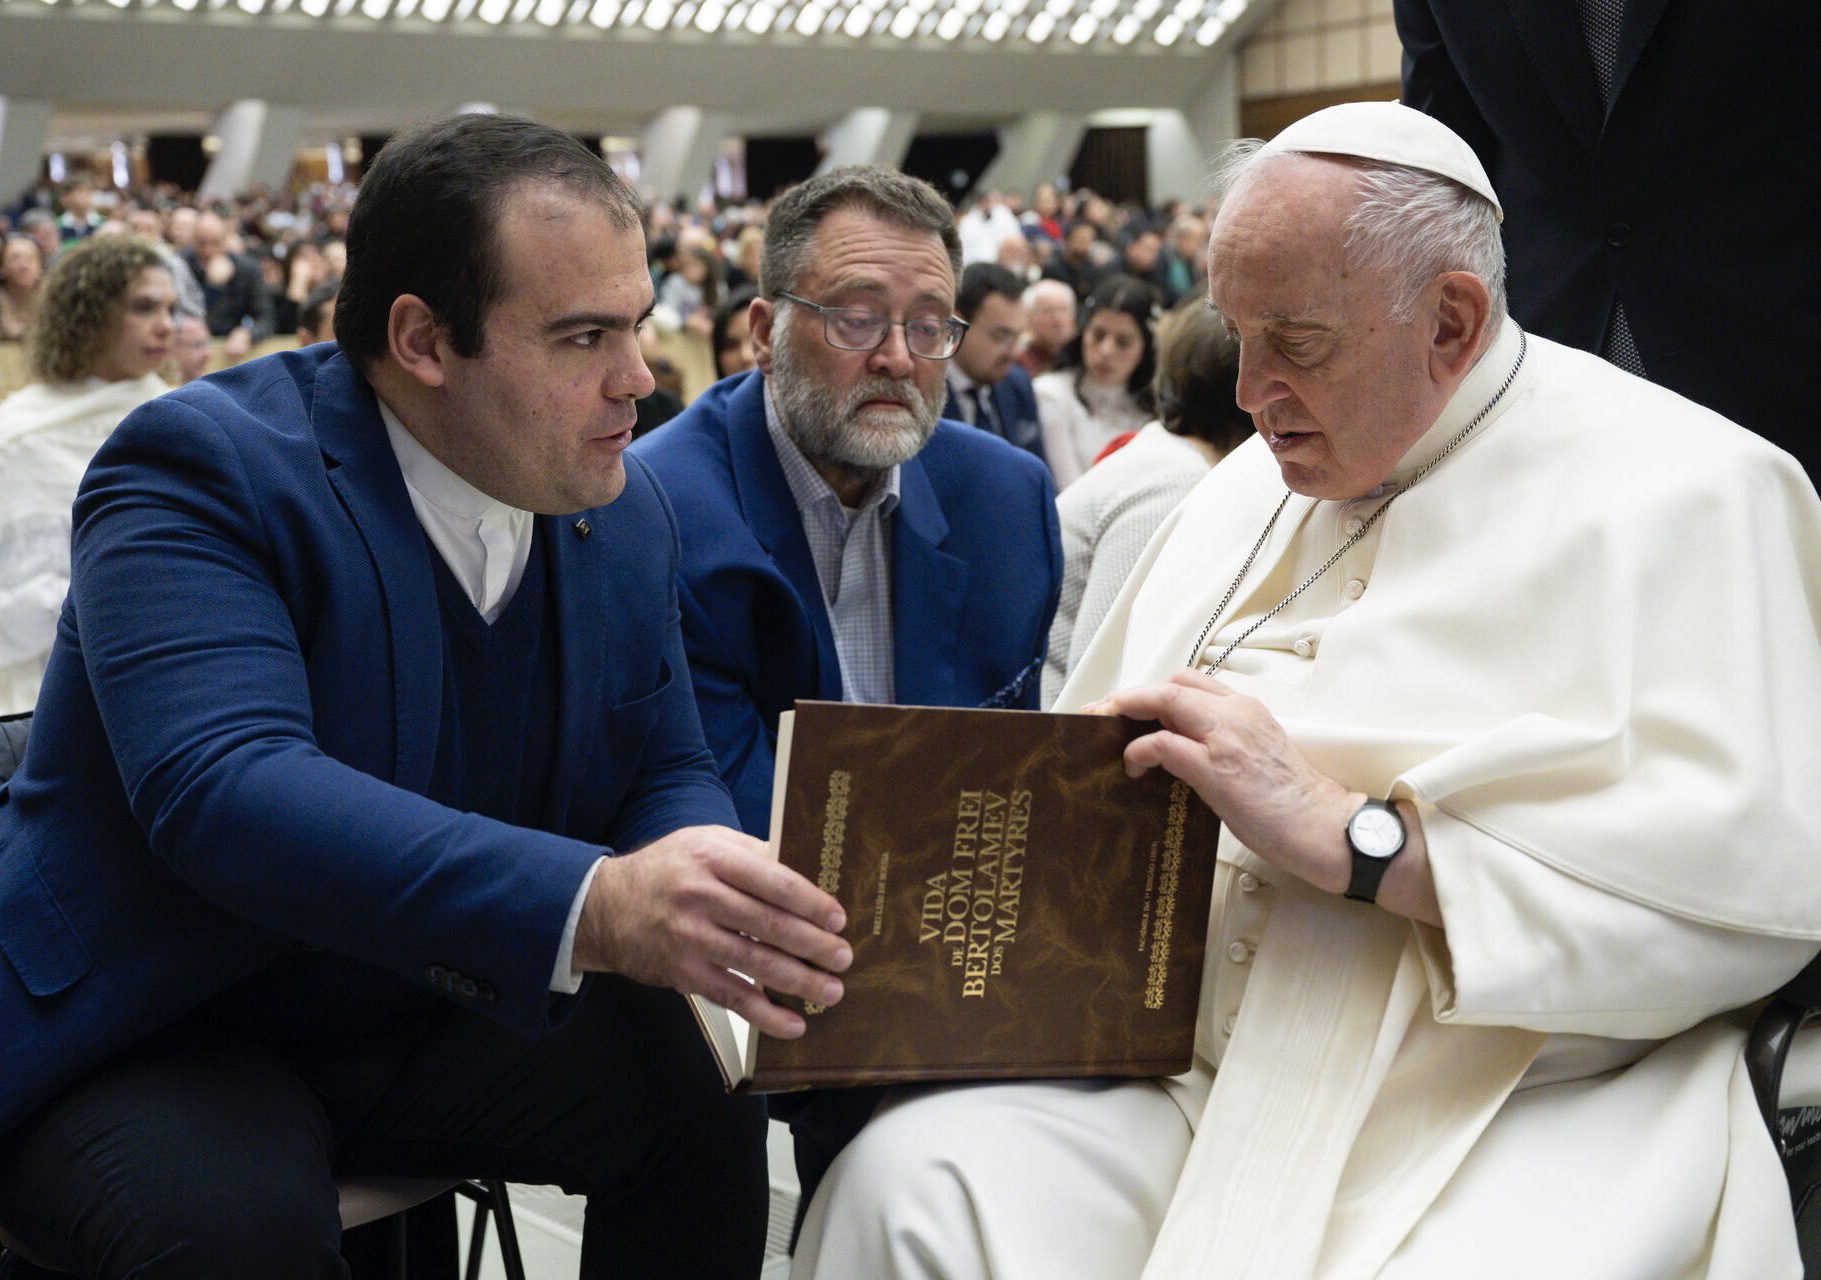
(857,329)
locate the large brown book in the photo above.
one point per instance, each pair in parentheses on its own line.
(1018,907)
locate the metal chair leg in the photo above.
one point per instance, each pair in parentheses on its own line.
(489,1196)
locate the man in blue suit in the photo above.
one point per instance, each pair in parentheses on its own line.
(839,542)
(360,683)
(987,388)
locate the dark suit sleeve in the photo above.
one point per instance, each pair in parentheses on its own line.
(744,746)
(676,785)
(204,693)
(1432,82)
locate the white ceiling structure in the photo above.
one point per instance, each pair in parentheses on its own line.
(123,68)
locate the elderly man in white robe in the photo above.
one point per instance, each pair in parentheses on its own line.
(1509,707)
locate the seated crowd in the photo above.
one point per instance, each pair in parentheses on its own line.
(406,714)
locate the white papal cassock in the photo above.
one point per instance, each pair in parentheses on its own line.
(1585,645)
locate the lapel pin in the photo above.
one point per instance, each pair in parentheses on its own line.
(583,528)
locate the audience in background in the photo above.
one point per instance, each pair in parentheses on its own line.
(1082,260)
(692,289)
(21,274)
(41,226)
(1049,308)
(1186,257)
(986,388)
(1109,514)
(79,219)
(987,225)
(316,317)
(1101,385)
(235,300)
(1142,259)
(102,330)
(191,350)
(730,337)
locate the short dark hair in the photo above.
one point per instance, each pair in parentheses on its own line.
(426,218)
(796,217)
(983,280)
(1197,383)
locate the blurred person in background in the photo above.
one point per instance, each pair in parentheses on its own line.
(316,317)
(21,277)
(236,302)
(191,350)
(1079,264)
(986,388)
(80,219)
(743,263)
(41,226)
(692,290)
(1111,512)
(1185,256)
(984,227)
(731,336)
(180,228)
(1142,259)
(1049,307)
(103,329)
(1101,385)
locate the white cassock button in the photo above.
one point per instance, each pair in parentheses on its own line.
(1355,588)
(1226,1028)
(1354,526)
(1304,648)
(1239,953)
(1248,883)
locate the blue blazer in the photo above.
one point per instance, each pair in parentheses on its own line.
(240,716)
(1016,402)
(976,569)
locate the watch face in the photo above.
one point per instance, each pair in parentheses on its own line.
(1376,832)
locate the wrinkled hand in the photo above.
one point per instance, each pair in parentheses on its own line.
(1241,763)
(1235,754)
(704,905)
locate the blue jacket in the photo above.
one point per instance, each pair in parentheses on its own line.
(240,716)
(976,569)
(1016,402)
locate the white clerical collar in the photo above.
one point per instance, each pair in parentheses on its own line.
(485,543)
(1476,389)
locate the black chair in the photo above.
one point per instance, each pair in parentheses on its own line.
(363,1200)
(1797,1133)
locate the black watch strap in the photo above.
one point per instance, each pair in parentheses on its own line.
(1369,867)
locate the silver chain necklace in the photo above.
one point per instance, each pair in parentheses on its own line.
(1352,539)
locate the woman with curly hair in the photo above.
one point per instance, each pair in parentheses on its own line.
(102,329)
(1101,385)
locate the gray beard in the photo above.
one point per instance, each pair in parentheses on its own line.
(825,428)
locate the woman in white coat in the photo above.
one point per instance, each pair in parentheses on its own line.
(102,331)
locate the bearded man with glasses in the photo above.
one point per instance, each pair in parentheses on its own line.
(839,542)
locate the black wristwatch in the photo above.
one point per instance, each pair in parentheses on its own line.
(1376,835)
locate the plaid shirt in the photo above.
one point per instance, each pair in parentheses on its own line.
(851,553)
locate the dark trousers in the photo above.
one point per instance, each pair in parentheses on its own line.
(211,1151)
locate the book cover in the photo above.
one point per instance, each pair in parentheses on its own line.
(1018,907)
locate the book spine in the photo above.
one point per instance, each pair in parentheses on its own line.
(777,1080)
